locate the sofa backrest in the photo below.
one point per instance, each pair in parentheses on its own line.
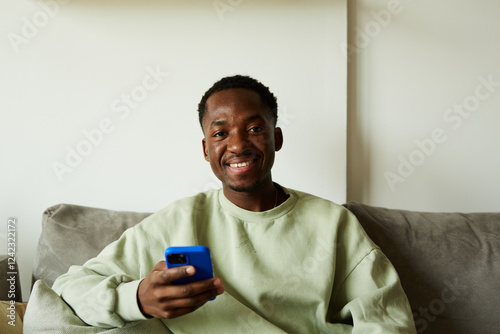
(448,263)
(73,234)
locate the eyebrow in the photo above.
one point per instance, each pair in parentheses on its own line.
(219,122)
(224,122)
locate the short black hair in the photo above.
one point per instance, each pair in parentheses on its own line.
(240,81)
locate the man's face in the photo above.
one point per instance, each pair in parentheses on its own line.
(240,139)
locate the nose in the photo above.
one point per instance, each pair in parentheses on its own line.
(238,142)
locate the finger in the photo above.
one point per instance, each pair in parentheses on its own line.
(170,275)
(173,308)
(196,288)
(174,313)
(194,301)
(160,266)
(190,294)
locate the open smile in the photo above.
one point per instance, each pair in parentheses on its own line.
(241,166)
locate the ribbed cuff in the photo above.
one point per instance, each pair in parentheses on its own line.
(127,306)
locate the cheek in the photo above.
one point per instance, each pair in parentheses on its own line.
(214,152)
(266,144)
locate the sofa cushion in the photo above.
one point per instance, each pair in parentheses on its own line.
(48,313)
(449,265)
(73,234)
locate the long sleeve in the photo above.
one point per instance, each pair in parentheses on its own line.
(372,299)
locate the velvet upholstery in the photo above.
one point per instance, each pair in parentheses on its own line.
(73,234)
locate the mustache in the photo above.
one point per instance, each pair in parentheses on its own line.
(245,154)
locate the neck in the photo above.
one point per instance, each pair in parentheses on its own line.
(264,198)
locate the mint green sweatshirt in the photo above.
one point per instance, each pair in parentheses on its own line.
(305,266)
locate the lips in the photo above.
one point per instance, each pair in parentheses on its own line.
(241,164)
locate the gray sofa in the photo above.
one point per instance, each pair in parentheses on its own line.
(449,263)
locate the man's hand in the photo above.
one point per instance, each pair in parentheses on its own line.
(159,298)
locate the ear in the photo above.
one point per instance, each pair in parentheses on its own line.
(205,151)
(278,139)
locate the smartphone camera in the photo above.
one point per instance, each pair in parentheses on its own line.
(177,258)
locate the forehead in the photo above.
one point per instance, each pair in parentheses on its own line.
(231,103)
(239,98)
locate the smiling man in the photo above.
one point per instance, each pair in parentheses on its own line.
(285,261)
(240,141)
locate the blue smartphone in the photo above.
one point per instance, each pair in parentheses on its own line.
(196,256)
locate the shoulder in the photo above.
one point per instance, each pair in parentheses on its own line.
(191,203)
(316,204)
(327,214)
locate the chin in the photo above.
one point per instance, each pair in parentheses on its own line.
(245,188)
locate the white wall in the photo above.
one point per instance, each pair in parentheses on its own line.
(66,66)
(410,74)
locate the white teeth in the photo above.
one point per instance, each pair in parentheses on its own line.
(241,164)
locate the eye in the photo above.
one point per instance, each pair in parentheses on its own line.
(219,134)
(257,129)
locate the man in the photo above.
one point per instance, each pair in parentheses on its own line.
(285,261)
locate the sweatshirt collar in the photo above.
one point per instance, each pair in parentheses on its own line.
(251,216)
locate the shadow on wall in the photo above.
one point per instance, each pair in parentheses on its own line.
(358,158)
